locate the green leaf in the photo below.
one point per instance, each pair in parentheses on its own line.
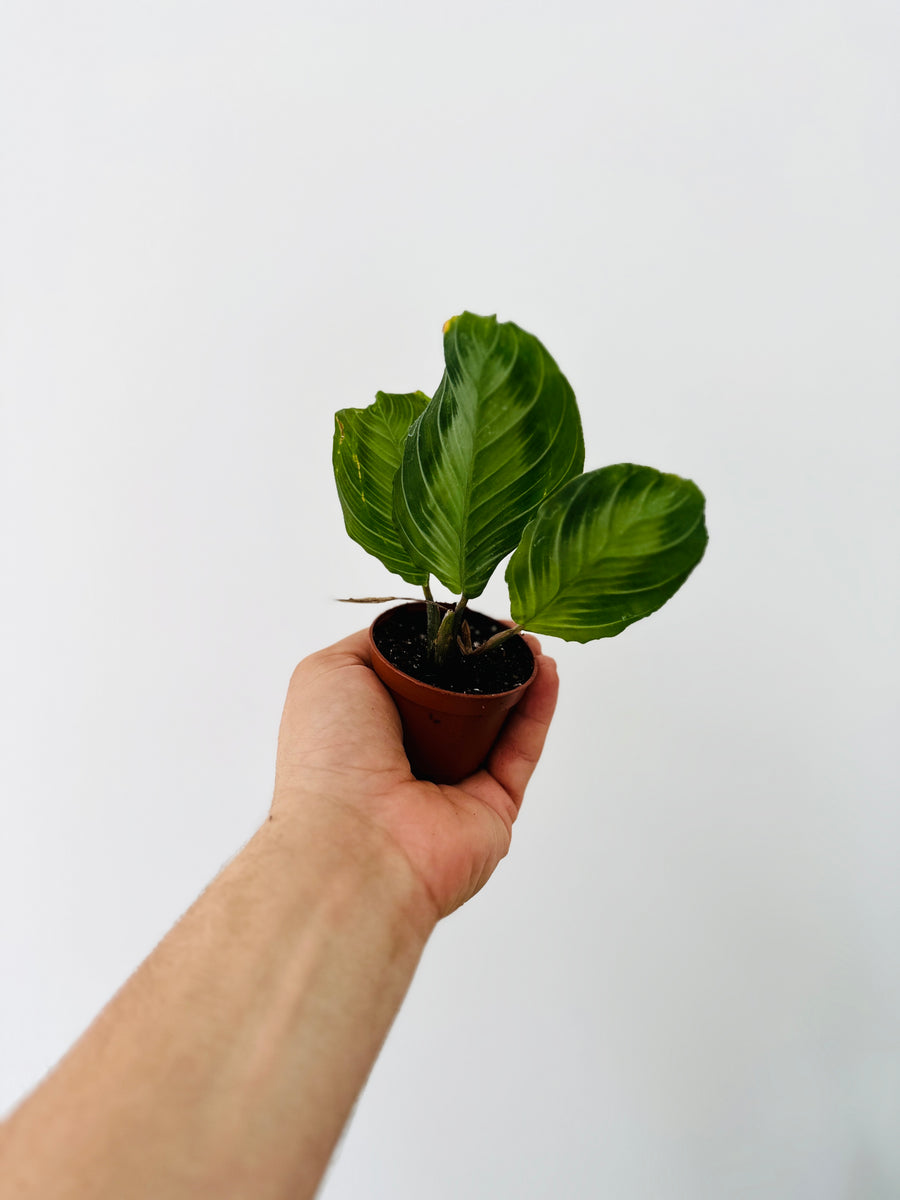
(368,443)
(501,435)
(609,548)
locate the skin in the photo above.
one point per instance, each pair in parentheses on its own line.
(230,1061)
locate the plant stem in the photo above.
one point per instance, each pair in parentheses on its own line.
(497,640)
(434,614)
(446,636)
(370,599)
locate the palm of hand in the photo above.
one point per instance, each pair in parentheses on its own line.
(341,744)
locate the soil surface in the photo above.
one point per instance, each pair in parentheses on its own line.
(401,638)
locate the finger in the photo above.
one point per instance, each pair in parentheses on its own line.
(519,747)
(352,651)
(533,644)
(355,646)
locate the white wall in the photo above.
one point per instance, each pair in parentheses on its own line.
(220,223)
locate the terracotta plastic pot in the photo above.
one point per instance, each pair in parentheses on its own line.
(447,735)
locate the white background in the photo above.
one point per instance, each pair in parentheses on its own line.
(221,222)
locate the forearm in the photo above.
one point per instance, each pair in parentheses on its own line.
(229,1062)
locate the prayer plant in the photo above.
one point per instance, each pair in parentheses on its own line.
(493,463)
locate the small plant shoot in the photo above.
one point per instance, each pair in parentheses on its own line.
(493,463)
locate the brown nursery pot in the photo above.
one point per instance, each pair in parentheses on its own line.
(447,734)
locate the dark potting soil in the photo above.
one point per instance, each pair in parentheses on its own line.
(401,638)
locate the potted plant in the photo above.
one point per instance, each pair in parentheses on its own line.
(447,487)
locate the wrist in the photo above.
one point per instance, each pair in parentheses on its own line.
(336,851)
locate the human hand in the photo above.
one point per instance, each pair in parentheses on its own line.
(340,753)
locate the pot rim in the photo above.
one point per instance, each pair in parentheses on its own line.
(431,687)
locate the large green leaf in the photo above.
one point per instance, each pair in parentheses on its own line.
(368,443)
(609,548)
(501,434)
